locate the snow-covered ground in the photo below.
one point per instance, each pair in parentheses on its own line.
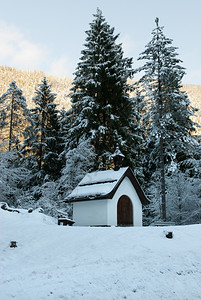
(58,262)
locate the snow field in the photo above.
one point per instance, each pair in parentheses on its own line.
(90,263)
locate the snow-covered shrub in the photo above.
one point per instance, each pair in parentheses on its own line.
(183,199)
(12,177)
(79,161)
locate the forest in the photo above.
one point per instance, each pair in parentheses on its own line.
(47,146)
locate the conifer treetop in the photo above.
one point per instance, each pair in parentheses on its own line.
(157,21)
(101,105)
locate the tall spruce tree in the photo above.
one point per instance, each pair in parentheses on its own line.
(101,107)
(170,125)
(13,113)
(42,138)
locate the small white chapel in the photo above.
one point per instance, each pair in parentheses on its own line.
(108,198)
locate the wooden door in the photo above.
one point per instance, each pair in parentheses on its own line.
(124,211)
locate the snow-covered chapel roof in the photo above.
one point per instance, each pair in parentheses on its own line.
(103,184)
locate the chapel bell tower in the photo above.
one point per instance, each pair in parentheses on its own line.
(118,159)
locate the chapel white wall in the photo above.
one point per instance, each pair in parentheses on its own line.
(125,188)
(89,213)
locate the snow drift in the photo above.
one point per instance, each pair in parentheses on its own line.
(57,262)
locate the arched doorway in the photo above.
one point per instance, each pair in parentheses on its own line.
(124,211)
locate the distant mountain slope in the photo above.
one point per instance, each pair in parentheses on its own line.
(28,80)
(194,94)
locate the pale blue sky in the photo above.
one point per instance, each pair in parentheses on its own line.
(49,35)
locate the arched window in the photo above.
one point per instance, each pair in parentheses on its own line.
(124,211)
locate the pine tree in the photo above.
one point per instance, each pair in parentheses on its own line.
(170,125)
(54,143)
(13,113)
(42,138)
(139,123)
(101,107)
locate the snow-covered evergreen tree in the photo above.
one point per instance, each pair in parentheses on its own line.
(79,161)
(170,123)
(13,116)
(101,106)
(139,122)
(12,178)
(42,138)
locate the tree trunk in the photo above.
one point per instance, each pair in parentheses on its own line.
(42,137)
(162,164)
(162,167)
(11,124)
(179,200)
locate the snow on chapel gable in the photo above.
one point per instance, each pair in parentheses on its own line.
(106,198)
